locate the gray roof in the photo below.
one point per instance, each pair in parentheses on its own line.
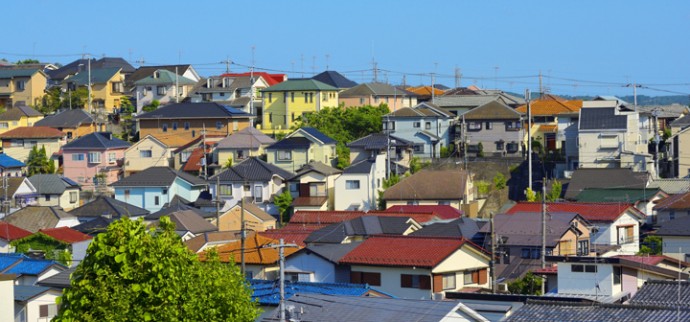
(331,252)
(59,280)
(98,76)
(663,293)
(448,184)
(335,79)
(602,119)
(164,77)
(470,101)
(97,140)
(194,110)
(300,84)
(17,112)
(145,71)
(34,218)
(247,138)
(188,220)
(363,166)
(318,167)
(24,293)
(524,229)
(94,226)
(377,89)
(379,141)
(493,110)
(66,119)
(252,169)
(567,311)
(216,84)
(158,177)
(108,207)
(17,72)
(51,184)
(671,186)
(361,226)
(461,227)
(178,205)
(584,178)
(676,227)
(665,111)
(682,122)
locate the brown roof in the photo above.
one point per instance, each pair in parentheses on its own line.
(254,251)
(34,218)
(429,185)
(551,105)
(309,201)
(492,111)
(211,238)
(32,132)
(13,184)
(674,202)
(174,140)
(188,220)
(255,210)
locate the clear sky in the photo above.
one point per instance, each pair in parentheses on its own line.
(580,47)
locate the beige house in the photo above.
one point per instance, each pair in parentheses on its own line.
(375,94)
(148,152)
(313,187)
(107,87)
(249,142)
(19,116)
(22,87)
(19,142)
(300,147)
(55,190)
(679,154)
(254,218)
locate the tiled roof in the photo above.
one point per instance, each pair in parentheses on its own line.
(33,218)
(415,112)
(569,311)
(420,217)
(18,72)
(591,211)
(17,112)
(12,185)
(255,252)
(289,236)
(51,184)
(268,292)
(32,132)
(378,89)
(551,105)
(442,211)
(97,140)
(652,260)
(493,110)
(211,238)
(325,139)
(674,202)
(7,162)
(66,119)
(271,79)
(335,79)
(309,201)
(108,207)
(602,119)
(378,141)
(429,185)
(617,195)
(194,110)
(548,128)
(425,90)
(187,220)
(294,143)
(318,167)
(671,186)
(403,251)
(300,85)
(94,226)
(461,227)
(360,167)
(331,252)
(11,232)
(252,169)
(20,264)
(524,229)
(65,234)
(145,71)
(363,226)
(663,293)
(247,138)
(682,122)
(98,76)
(585,178)
(676,227)
(324,217)
(164,77)
(157,177)
(194,161)
(60,280)
(466,101)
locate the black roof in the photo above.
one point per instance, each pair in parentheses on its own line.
(59,280)
(461,227)
(108,207)
(95,226)
(331,252)
(378,141)
(293,143)
(586,178)
(560,311)
(361,226)
(317,135)
(68,118)
(363,166)
(658,292)
(97,140)
(334,79)
(157,177)
(175,207)
(105,62)
(675,227)
(602,119)
(252,169)
(194,110)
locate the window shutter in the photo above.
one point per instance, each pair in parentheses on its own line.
(424,282)
(43,311)
(438,283)
(475,277)
(405,280)
(373,279)
(356,277)
(483,276)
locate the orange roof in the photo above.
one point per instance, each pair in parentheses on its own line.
(254,251)
(548,128)
(194,161)
(425,90)
(174,140)
(551,105)
(32,132)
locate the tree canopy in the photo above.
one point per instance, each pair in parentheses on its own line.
(135,273)
(39,162)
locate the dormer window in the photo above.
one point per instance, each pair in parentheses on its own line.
(157,74)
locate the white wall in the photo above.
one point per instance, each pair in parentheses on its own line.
(32,307)
(608,234)
(7,299)
(79,251)
(323,270)
(585,283)
(351,199)
(676,247)
(390,280)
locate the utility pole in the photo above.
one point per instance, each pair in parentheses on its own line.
(541,85)
(227,63)
(177,86)
(218,202)
(493,255)
(281,254)
(433,80)
(388,147)
(543,229)
(655,113)
(203,147)
(251,95)
(88,57)
(376,70)
(529,134)
(634,86)
(243,233)
(464,141)
(458,76)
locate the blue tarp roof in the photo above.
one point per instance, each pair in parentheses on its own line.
(268,292)
(7,161)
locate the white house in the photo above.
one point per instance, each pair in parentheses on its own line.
(35,303)
(675,235)
(319,263)
(358,186)
(162,85)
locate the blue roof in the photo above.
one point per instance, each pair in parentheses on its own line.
(23,265)
(318,135)
(268,292)
(7,161)
(27,292)
(97,140)
(6,260)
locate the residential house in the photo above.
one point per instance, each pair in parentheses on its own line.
(675,235)
(10,167)
(34,218)
(375,94)
(20,193)
(583,178)
(335,79)
(35,303)
(271,79)
(673,186)
(418,267)
(460,104)
(152,188)
(443,212)
(472,90)
(163,86)
(372,145)
(8,234)
(28,270)
(55,190)
(545,112)
(74,123)
(613,223)
(313,186)
(65,238)
(22,87)
(457,228)
(188,224)
(300,147)
(496,128)
(18,116)
(240,92)
(432,187)
(188,157)
(572,311)
(211,239)
(521,240)
(177,124)
(361,228)
(426,93)
(656,292)
(94,160)
(425,125)
(672,207)
(283,103)
(148,152)
(643,199)
(254,179)
(249,142)
(358,187)
(96,215)
(19,142)
(678,157)
(319,263)
(186,71)
(254,217)
(7,301)
(81,65)
(664,116)
(107,87)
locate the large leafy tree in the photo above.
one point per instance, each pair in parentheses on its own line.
(283,201)
(39,162)
(135,273)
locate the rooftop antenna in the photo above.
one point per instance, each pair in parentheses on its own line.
(227,63)
(302,64)
(328,56)
(458,76)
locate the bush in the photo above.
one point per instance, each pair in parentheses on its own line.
(500,181)
(529,285)
(483,187)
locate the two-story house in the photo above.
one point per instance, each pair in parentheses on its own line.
(107,87)
(313,186)
(425,125)
(375,94)
(74,123)
(235,91)
(357,188)
(148,152)
(22,87)
(186,71)
(545,112)
(56,190)
(300,147)
(248,142)
(285,102)
(177,124)
(494,125)
(19,116)
(369,147)
(58,75)
(94,159)
(334,79)
(19,142)
(156,186)
(10,167)
(451,187)
(163,86)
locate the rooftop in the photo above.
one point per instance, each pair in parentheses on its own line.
(300,85)
(97,140)
(32,132)
(157,177)
(194,110)
(66,119)
(65,234)
(591,211)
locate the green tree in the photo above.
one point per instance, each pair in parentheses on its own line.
(500,181)
(651,245)
(228,163)
(555,193)
(483,187)
(530,284)
(28,61)
(38,161)
(480,150)
(283,201)
(530,195)
(135,273)
(126,106)
(51,101)
(385,184)
(152,106)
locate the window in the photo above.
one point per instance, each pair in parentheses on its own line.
(4,125)
(292,97)
(73,197)
(247,188)
(47,197)
(186,126)
(293,116)
(16,143)
(474,126)
(20,84)
(77,157)
(351,184)
(164,126)
(165,191)
(449,281)
(471,277)
(325,97)
(30,144)
(513,126)
(112,157)
(617,274)
(418,148)
(577,268)
(416,124)
(422,282)
(535,253)
(270,97)
(373,279)
(94,157)
(294,187)
(626,234)
(489,125)
(583,247)
(193,133)
(284,155)
(672,215)
(361,101)
(258,194)
(608,141)
(47,311)
(161,90)
(427,126)
(219,125)
(145,153)
(174,126)
(590,268)
(512,147)
(156,200)
(500,145)
(225,190)
(532,253)
(184,155)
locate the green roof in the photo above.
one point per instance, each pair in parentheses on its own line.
(615,195)
(165,77)
(300,85)
(25,72)
(98,76)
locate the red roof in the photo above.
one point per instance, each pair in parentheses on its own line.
(271,79)
(420,217)
(11,232)
(442,211)
(65,234)
(292,232)
(590,211)
(324,217)
(32,132)
(194,160)
(549,270)
(650,259)
(403,251)
(674,202)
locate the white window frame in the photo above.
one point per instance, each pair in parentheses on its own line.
(352,184)
(95,157)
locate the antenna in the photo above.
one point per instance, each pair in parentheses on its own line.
(227,63)
(458,77)
(376,70)
(328,56)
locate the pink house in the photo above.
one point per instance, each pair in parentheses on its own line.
(94,158)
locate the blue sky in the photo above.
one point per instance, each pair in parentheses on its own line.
(580,47)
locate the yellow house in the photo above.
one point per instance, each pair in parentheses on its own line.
(22,86)
(107,87)
(254,218)
(249,142)
(148,152)
(300,147)
(18,116)
(285,102)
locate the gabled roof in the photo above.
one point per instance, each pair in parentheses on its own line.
(422,110)
(361,167)
(364,226)
(145,71)
(66,119)
(584,178)
(571,311)
(330,252)
(52,184)
(674,202)
(404,251)
(32,132)
(164,77)
(94,226)
(524,228)
(187,220)
(378,141)
(493,110)
(108,207)
(252,169)
(271,79)
(551,105)
(314,133)
(247,138)
(592,118)
(315,166)
(65,234)
(304,84)
(20,264)
(375,89)
(425,90)
(325,217)
(671,186)
(663,293)
(98,76)
(464,101)
(293,141)
(250,208)
(33,218)
(13,183)
(194,110)
(291,233)
(682,122)
(7,162)
(458,228)
(444,212)
(255,252)
(97,140)
(211,238)
(24,293)
(17,112)
(618,195)
(268,293)
(18,72)
(60,280)
(673,111)
(429,185)
(74,67)
(11,232)
(158,177)
(335,79)
(591,211)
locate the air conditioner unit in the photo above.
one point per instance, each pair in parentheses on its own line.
(502,287)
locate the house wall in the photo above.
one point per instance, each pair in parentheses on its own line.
(34,89)
(359,199)
(196,126)
(390,280)
(299,158)
(682,154)
(278,107)
(608,234)
(263,272)
(230,220)
(568,133)
(144,197)
(268,189)
(134,162)
(676,246)
(145,94)
(568,242)
(104,91)
(221,156)
(570,282)
(32,308)
(404,129)
(21,153)
(23,121)
(5,247)
(323,270)
(393,102)
(65,200)
(457,204)
(489,138)
(7,306)
(592,155)
(664,215)
(79,251)
(83,172)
